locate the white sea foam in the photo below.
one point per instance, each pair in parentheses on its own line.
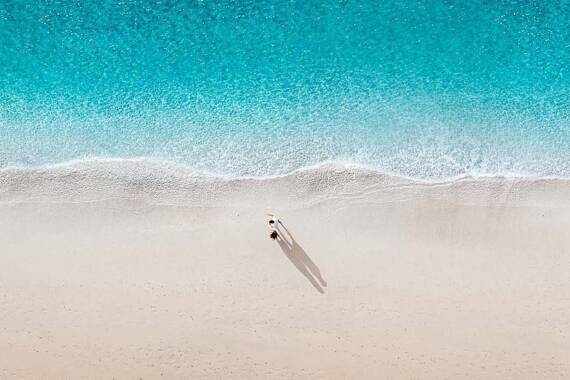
(144,166)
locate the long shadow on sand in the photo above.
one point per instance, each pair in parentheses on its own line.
(297,255)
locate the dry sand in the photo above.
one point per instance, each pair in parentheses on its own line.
(107,276)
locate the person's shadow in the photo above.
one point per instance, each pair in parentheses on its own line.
(297,255)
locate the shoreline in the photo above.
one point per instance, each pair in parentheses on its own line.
(157,182)
(156,166)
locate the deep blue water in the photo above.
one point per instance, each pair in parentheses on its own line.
(420,88)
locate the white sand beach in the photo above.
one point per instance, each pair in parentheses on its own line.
(174,276)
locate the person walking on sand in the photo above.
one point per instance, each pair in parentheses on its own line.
(274,225)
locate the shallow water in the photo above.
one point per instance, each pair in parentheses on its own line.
(420,89)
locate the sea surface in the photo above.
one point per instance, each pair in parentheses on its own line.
(422,89)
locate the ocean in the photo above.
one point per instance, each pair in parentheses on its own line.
(421,89)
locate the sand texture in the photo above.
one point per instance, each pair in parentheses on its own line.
(169,274)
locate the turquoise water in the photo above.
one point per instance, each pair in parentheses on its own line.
(419,88)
